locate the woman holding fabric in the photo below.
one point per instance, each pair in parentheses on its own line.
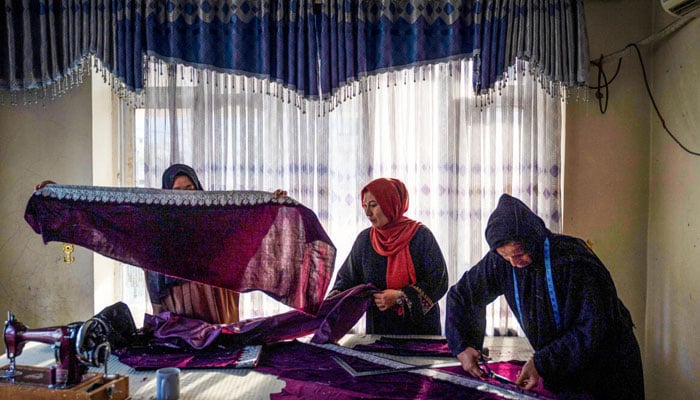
(190,299)
(401,258)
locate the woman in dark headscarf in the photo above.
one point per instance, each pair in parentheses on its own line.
(401,258)
(191,299)
(565,301)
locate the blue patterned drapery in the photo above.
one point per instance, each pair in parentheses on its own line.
(365,37)
(314,49)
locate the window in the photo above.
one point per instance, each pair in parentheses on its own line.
(455,151)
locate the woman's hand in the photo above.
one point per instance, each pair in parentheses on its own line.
(469,359)
(44,183)
(528,377)
(279,193)
(387,298)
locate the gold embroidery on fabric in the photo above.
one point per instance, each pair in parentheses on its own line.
(426,302)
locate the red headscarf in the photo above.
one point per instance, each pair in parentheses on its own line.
(392,239)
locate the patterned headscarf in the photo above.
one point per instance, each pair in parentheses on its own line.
(392,240)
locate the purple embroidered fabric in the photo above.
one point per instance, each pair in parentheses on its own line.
(198,342)
(241,241)
(408,347)
(334,319)
(310,373)
(155,357)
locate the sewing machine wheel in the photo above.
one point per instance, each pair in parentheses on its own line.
(92,344)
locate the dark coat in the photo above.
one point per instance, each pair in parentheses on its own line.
(594,352)
(422,316)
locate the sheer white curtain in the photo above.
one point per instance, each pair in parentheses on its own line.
(423,125)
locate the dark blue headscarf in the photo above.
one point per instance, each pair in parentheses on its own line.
(176,170)
(513,221)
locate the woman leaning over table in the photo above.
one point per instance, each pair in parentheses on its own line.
(402,259)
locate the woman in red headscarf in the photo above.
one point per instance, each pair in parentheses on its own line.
(402,259)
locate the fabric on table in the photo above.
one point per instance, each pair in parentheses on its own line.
(198,342)
(508,369)
(407,347)
(241,241)
(155,357)
(310,373)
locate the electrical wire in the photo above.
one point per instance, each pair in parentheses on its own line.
(604,98)
(653,102)
(601,75)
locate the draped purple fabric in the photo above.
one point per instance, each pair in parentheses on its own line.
(170,340)
(241,241)
(334,319)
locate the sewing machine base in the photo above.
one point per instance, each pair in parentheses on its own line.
(32,383)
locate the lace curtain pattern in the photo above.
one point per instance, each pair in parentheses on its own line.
(461,99)
(302,50)
(423,125)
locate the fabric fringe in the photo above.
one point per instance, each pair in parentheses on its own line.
(48,91)
(242,83)
(227,82)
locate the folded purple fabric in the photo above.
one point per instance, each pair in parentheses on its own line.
(334,319)
(165,335)
(242,240)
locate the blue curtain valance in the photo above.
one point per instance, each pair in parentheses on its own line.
(312,48)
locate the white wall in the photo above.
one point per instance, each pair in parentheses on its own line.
(103,174)
(635,193)
(39,142)
(673,273)
(607,156)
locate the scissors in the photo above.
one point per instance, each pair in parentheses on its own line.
(484,367)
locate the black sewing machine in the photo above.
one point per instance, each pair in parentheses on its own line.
(77,346)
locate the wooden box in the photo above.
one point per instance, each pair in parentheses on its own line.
(93,387)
